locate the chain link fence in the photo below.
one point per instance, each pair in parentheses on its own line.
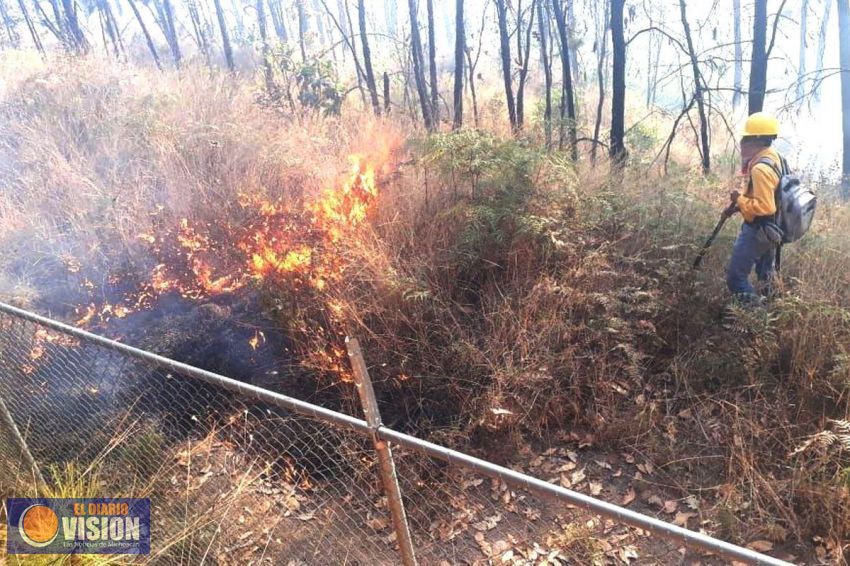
(236,473)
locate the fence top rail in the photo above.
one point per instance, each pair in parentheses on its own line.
(516,479)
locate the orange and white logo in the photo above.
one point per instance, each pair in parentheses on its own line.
(38,525)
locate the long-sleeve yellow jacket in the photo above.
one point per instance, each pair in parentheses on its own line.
(758,197)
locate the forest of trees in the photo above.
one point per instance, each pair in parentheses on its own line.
(309,50)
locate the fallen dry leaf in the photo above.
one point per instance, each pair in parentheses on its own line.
(595,488)
(628,497)
(627,554)
(682,518)
(487,523)
(577,476)
(670,506)
(761,545)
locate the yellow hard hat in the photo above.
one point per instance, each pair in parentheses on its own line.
(761,124)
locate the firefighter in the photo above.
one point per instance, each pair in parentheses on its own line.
(757,243)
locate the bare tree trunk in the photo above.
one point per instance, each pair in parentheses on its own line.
(391,13)
(739,56)
(267,65)
(320,26)
(505,52)
(472,64)
(367,58)
(460,44)
(698,92)
(60,29)
(386,93)
(225,38)
(198,28)
(543,37)
(432,64)
(172,33)
(571,23)
(758,66)
(110,14)
(9,24)
(568,111)
(107,27)
(278,20)
(600,79)
(523,53)
(418,66)
(824,24)
(73,26)
(844,58)
(302,28)
(240,21)
(361,75)
(343,24)
(148,40)
(801,66)
(36,40)
(618,86)
(470,73)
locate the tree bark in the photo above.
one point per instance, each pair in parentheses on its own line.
(267,65)
(524,54)
(320,26)
(367,58)
(302,28)
(148,40)
(600,79)
(73,26)
(9,24)
(418,66)
(386,93)
(801,58)
(568,111)
(617,149)
(225,37)
(278,20)
(705,152)
(758,65)
(172,33)
(844,58)
(739,55)
(505,52)
(571,22)
(391,12)
(460,46)
(543,37)
(824,25)
(432,63)
(108,27)
(198,28)
(36,40)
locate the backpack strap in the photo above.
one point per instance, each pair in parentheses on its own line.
(780,171)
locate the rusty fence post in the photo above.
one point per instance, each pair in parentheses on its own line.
(9,424)
(385,455)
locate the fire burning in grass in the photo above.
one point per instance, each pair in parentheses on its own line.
(265,241)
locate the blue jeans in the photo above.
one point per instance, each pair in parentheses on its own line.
(751,249)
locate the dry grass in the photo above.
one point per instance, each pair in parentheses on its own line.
(506,303)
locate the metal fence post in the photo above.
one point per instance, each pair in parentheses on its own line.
(385,455)
(15,434)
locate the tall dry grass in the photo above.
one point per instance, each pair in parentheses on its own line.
(499,291)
